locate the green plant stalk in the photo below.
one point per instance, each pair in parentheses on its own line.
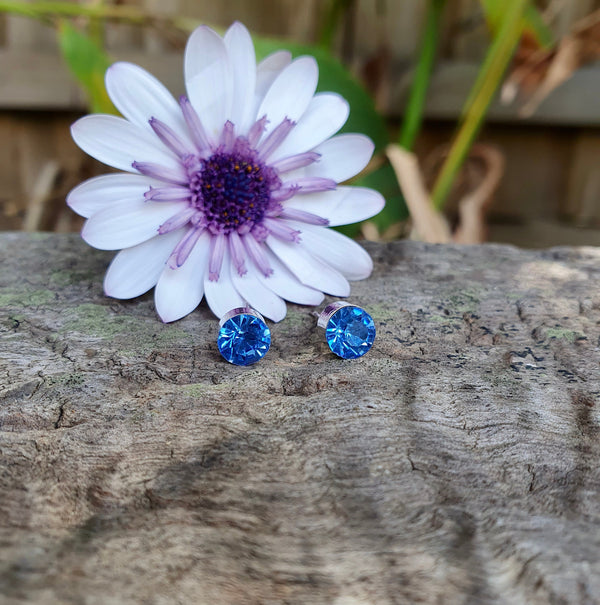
(488,81)
(334,12)
(96,27)
(413,117)
(49,10)
(533,21)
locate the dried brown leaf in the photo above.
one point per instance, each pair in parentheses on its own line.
(429,224)
(537,72)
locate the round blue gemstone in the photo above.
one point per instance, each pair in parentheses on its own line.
(244,339)
(350,332)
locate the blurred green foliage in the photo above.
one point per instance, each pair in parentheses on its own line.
(88,63)
(507,21)
(509,29)
(532,22)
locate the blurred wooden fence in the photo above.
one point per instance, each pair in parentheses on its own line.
(552,176)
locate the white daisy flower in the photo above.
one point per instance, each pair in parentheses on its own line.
(230,191)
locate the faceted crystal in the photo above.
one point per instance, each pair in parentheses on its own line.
(244,339)
(350,332)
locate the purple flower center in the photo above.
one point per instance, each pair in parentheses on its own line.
(232,190)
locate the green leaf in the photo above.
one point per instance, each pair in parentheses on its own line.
(88,63)
(333,76)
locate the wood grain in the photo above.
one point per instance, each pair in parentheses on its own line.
(457,462)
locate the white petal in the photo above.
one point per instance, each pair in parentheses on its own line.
(99,192)
(326,113)
(139,96)
(342,157)
(221,295)
(258,296)
(341,206)
(310,270)
(286,285)
(243,62)
(209,79)
(337,250)
(291,92)
(128,225)
(135,270)
(119,143)
(266,72)
(179,291)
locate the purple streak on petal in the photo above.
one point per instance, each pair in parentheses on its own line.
(285,193)
(274,209)
(245,228)
(305,217)
(184,247)
(281,231)
(194,123)
(198,220)
(168,194)
(314,184)
(275,138)
(161,173)
(177,220)
(293,162)
(192,164)
(227,136)
(260,232)
(236,248)
(242,146)
(257,254)
(216,254)
(256,131)
(169,138)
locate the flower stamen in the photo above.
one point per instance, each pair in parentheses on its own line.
(232,189)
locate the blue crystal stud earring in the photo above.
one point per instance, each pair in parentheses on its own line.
(244,337)
(349,330)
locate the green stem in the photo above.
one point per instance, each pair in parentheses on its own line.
(490,77)
(96,27)
(413,116)
(130,14)
(335,11)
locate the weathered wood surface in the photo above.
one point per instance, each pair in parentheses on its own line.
(458,462)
